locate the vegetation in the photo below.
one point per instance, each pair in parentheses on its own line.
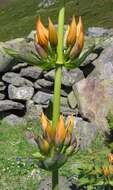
(17,17)
(18,171)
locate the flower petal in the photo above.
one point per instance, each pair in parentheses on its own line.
(46,127)
(71,37)
(53,38)
(42,34)
(60,131)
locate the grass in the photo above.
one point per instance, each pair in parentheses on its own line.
(17,18)
(18,171)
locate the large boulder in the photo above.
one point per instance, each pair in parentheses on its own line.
(85,132)
(101,67)
(95,98)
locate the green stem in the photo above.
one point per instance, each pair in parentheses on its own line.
(58,71)
(57,84)
(57,92)
(55,180)
(60,36)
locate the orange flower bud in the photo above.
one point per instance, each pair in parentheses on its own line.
(71,37)
(46,127)
(111,169)
(60,131)
(77,48)
(53,38)
(110,158)
(106,171)
(43,145)
(41,52)
(42,34)
(44,121)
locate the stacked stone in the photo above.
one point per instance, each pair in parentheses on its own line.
(87,92)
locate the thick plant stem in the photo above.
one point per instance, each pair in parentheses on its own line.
(58,71)
(57,92)
(60,36)
(55,179)
(57,85)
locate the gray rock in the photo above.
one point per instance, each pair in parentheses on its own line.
(68,77)
(16,80)
(19,66)
(64,183)
(20,93)
(42,98)
(64,102)
(33,111)
(2,96)
(95,100)
(31,72)
(2,86)
(43,83)
(31,35)
(21,45)
(102,67)
(46,3)
(85,133)
(6,62)
(14,120)
(68,111)
(97,31)
(10,105)
(30,138)
(72,100)
(50,75)
(72,76)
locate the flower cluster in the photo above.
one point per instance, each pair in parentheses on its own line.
(108,170)
(48,38)
(55,144)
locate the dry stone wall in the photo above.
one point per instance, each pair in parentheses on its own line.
(87,92)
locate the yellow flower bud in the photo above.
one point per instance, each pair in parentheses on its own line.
(111,169)
(53,38)
(70,124)
(46,127)
(110,158)
(42,144)
(60,131)
(106,171)
(42,34)
(71,37)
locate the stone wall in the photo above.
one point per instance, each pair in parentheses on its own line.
(87,92)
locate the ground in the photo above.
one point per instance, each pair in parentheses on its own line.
(19,171)
(18,17)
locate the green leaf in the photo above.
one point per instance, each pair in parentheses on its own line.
(78,61)
(30,58)
(37,155)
